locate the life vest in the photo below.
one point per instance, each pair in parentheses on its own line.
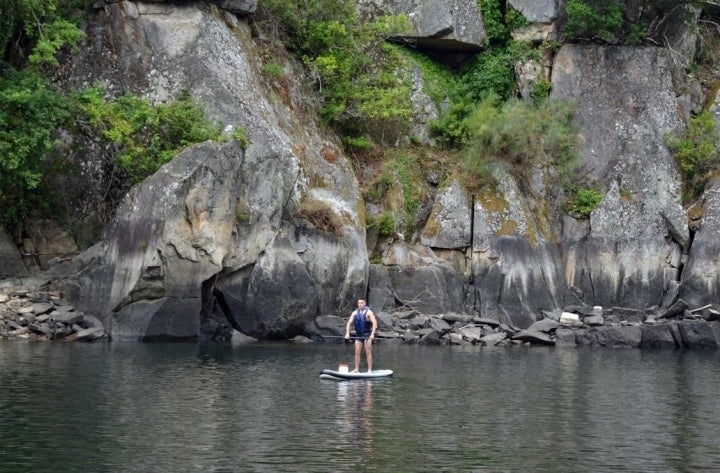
(361,322)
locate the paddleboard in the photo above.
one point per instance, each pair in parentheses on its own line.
(343,376)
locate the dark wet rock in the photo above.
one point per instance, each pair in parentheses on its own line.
(678,308)
(594,320)
(616,336)
(544,325)
(325,325)
(90,335)
(539,338)
(431,338)
(699,334)
(438,325)
(494,339)
(565,337)
(657,336)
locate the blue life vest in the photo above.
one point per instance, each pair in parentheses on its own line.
(361,322)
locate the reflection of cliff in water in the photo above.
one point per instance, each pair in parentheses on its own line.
(355,401)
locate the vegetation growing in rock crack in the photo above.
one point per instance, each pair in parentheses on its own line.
(352,65)
(147,136)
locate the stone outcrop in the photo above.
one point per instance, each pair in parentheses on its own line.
(701,275)
(454,25)
(218,218)
(41,315)
(687,332)
(12,264)
(638,235)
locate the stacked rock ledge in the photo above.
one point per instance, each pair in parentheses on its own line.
(573,327)
(43,315)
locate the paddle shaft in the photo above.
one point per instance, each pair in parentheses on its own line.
(351,338)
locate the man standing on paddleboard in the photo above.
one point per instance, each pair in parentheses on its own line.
(363,319)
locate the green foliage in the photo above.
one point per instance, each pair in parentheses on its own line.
(147,136)
(696,153)
(541,91)
(381,186)
(494,22)
(583,201)
(601,19)
(490,73)
(355,70)
(438,79)
(385,224)
(358,143)
(514,19)
(37,28)
(520,134)
(240,135)
(500,19)
(273,70)
(30,111)
(609,21)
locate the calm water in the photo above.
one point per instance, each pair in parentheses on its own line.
(222,408)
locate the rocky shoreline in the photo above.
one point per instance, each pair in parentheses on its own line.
(572,327)
(44,315)
(36,312)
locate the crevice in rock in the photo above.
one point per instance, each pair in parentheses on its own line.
(685,255)
(469,254)
(220,303)
(592,286)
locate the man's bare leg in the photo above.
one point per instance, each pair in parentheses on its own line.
(358,349)
(368,353)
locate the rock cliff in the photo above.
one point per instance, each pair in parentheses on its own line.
(263,239)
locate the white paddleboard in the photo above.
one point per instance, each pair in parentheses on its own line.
(344,375)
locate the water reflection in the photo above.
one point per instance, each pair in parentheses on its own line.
(355,402)
(183,407)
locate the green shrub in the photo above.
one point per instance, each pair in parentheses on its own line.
(385,224)
(500,21)
(492,16)
(520,134)
(589,19)
(490,73)
(240,135)
(273,69)
(30,111)
(583,201)
(147,135)
(355,70)
(607,21)
(696,153)
(36,30)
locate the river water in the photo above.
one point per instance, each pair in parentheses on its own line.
(261,407)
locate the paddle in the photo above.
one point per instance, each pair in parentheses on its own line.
(353,337)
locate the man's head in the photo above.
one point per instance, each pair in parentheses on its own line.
(361,303)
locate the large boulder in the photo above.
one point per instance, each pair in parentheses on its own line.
(700,283)
(171,233)
(449,224)
(217,217)
(421,281)
(537,11)
(454,25)
(276,298)
(12,264)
